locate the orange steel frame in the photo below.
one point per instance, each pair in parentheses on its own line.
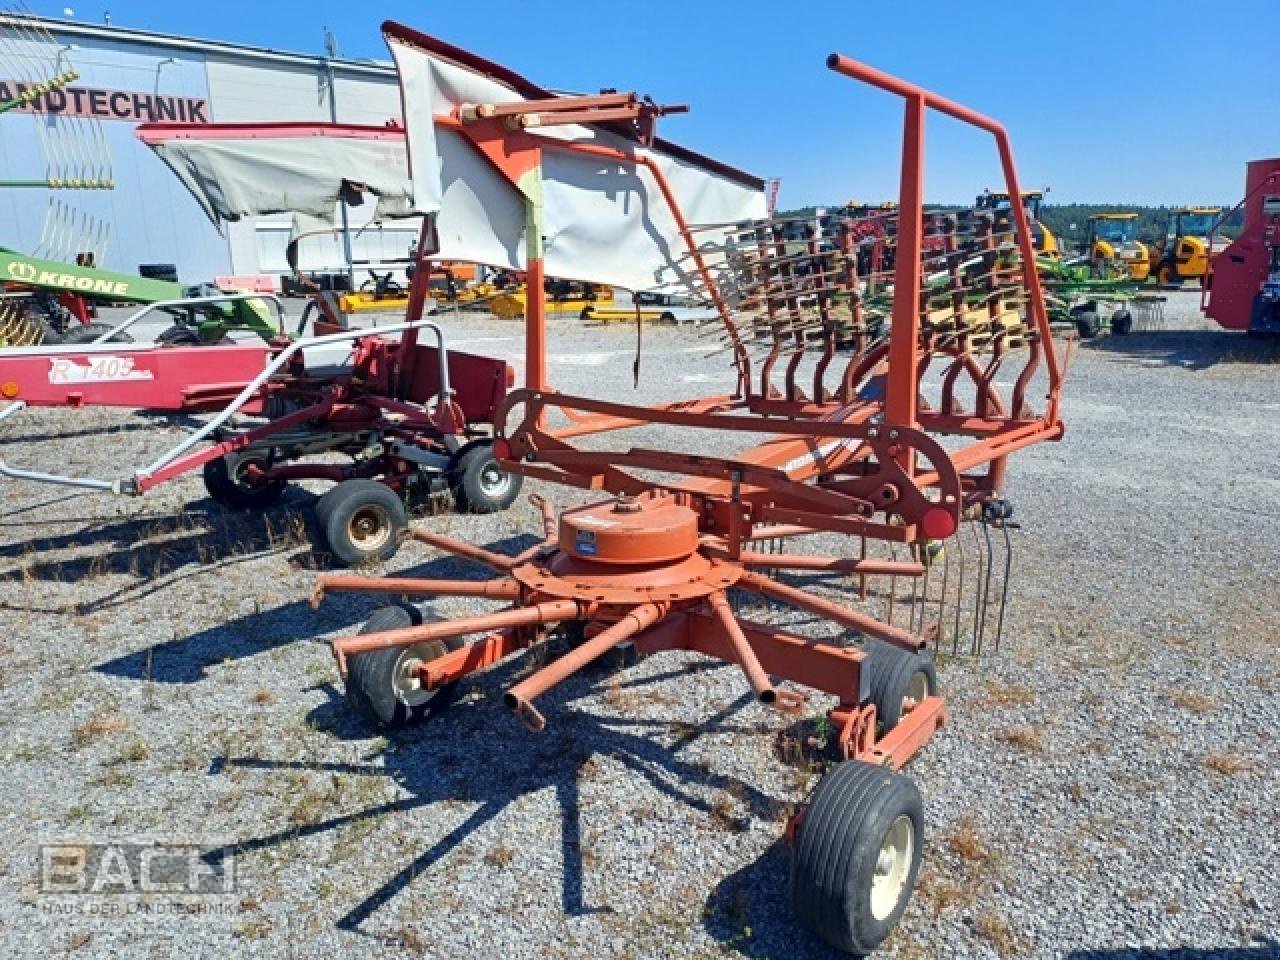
(768,491)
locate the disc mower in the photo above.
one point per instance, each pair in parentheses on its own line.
(902,443)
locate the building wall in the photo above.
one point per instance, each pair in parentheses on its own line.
(151,217)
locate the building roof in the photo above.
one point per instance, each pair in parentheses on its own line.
(102,31)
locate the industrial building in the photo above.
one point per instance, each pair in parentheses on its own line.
(128,77)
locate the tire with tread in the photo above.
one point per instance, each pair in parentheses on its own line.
(478,484)
(844,887)
(1088,324)
(225,487)
(362,521)
(1121,323)
(371,685)
(88,332)
(893,675)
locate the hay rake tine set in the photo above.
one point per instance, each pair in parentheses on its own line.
(665,566)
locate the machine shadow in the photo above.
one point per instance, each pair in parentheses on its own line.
(473,766)
(184,659)
(1189,349)
(155,551)
(1262,949)
(748,913)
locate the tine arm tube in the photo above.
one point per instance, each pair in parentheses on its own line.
(832,611)
(414,586)
(747,658)
(552,612)
(465,550)
(641,618)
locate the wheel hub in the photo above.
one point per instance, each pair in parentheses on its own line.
(893,864)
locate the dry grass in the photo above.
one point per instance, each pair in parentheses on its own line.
(992,927)
(966,842)
(1005,695)
(1025,738)
(500,855)
(724,816)
(103,723)
(621,699)
(263,697)
(1228,764)
(1190,700)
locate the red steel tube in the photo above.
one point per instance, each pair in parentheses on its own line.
(747,658)
(787,561)
(460,549)
(550,612)
(1031,276)
(832,611)
(347,583)
(526,690)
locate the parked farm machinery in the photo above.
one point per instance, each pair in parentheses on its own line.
(841,447)
(1242,287)
(409,418)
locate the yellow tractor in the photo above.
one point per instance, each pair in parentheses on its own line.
(997,201)
(1183,253)
(1114,249)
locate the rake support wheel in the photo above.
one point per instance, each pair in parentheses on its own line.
(381,686)
(897,679)
(857,855)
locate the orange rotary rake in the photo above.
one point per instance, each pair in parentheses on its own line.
(873,445)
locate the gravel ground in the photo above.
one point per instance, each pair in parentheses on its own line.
(1106,788)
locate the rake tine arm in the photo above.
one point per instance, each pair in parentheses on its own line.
(519,698)
(413,586)
(747,658)
(466,551)
(553,611)
(832,611)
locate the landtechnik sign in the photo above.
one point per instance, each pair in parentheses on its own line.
(110,104)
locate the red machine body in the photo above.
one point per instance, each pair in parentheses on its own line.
(1242,291)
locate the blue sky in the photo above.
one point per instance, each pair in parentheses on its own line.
(1157,102)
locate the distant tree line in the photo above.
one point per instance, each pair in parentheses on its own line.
(1060,217)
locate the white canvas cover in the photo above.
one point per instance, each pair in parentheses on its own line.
(236,171)
(604,221)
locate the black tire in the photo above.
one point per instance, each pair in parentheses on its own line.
(666,317)
(362,521)
(478,484)
(180,335)
(1088,324)
(227,486)
(1121,323)
(376,682)
(893,675)
(88,332)
(842,888)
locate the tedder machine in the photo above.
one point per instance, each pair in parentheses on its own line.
(396,420)
(904,442)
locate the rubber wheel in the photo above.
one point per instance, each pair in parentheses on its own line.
(88,332)
(478,483)
(1167,276)
(227,484)
(1121,323)
(667,317)
(380,687)
(895,675)
(362,521)
(1088,324)
(857,855)
(180,336)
